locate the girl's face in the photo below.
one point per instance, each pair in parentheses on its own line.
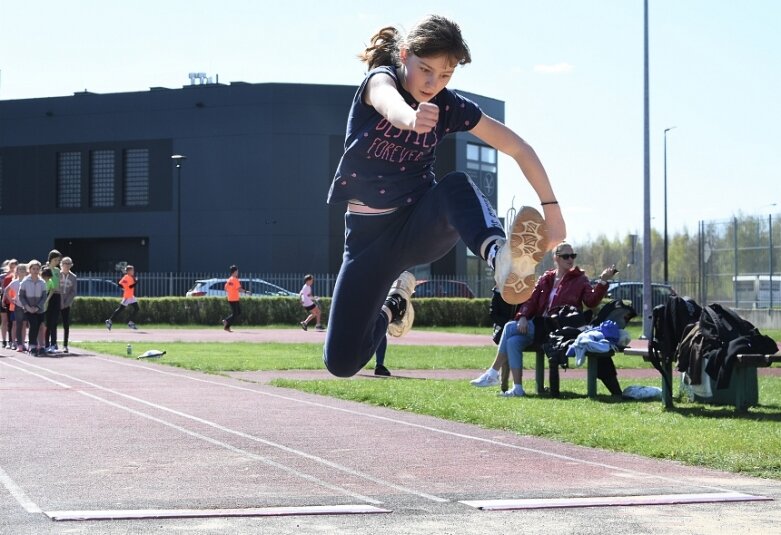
(425,77)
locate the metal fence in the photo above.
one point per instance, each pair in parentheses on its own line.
(739,262)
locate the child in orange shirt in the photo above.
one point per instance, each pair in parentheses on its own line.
(128,284)
(233,289)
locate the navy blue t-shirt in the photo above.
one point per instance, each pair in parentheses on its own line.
(385,167)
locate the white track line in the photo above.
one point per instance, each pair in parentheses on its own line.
(18,494)
(308,456)
(154,368)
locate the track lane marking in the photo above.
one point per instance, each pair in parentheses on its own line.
(120,361)
(214,425)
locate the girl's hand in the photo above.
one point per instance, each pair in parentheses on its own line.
(554,225)
(523,325)
(426,117)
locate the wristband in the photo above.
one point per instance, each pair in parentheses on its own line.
(549,202)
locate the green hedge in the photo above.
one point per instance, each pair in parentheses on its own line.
(268,310)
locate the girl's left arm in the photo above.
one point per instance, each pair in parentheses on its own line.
(505,140)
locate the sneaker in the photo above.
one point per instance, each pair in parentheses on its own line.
(303,325)
(12,346)
(486,379)
(519,255)
(132,325)
(319,328)
(513,393)
(51,349)
(398,302)
(108,324)
(382,370)
(65,349)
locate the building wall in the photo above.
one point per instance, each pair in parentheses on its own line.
(260,158)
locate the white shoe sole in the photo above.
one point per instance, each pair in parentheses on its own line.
(517,259)
(403,286)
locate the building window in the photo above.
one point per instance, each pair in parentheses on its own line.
(69,180)
(101,178)
(136,179)
(481,166)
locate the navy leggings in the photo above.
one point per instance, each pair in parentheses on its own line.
(378,247)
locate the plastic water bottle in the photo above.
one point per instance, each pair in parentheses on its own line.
(129,350)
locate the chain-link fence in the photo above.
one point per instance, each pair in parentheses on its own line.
(739,262)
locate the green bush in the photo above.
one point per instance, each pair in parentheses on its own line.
(431,312)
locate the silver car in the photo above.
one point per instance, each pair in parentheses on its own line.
(257,288)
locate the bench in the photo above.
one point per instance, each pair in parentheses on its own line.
(743,391)
(592,360)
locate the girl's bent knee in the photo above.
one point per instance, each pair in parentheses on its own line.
(340,369)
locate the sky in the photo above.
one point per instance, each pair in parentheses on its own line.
(569,71)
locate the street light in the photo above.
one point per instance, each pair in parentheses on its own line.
(666,274)
(178,160)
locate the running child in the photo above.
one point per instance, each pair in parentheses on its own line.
(128,284)
(310,304)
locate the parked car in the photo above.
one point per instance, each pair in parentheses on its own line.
(92,287)
(446,288)
(258,288)
(633,291)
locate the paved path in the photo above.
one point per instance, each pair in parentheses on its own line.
(93,434)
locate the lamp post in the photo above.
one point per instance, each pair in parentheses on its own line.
(178,160)
(666,273)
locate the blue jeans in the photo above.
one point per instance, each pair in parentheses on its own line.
(513,343)
(378,247)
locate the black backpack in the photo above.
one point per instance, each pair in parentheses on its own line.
(668,324)
(618,311)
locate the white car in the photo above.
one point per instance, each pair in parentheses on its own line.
(257,288)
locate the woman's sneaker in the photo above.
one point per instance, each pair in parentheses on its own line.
(514,392)
(486,379)
(399,305)
(517,258)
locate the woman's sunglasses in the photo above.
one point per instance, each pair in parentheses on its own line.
(568,256)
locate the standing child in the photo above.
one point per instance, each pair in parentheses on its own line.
(310,304)
(54,301)
(399,214)
(32,296)
(20,322)
(128,284)
(68,287)
(233,289)
(6,318)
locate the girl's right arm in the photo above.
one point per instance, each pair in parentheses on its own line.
(382,95)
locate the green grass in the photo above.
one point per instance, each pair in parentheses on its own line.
(692,433)
(246,356)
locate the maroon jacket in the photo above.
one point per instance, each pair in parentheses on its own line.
(574,289)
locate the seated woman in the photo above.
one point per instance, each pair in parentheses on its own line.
(567,284)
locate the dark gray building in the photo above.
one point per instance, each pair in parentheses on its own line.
(92,175)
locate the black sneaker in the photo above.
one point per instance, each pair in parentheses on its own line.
(303,325)
(381,370)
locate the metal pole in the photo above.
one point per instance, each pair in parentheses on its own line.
(666,249)
(178,217)
(178,159)
(735,245)
(770,234)
(647,308)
